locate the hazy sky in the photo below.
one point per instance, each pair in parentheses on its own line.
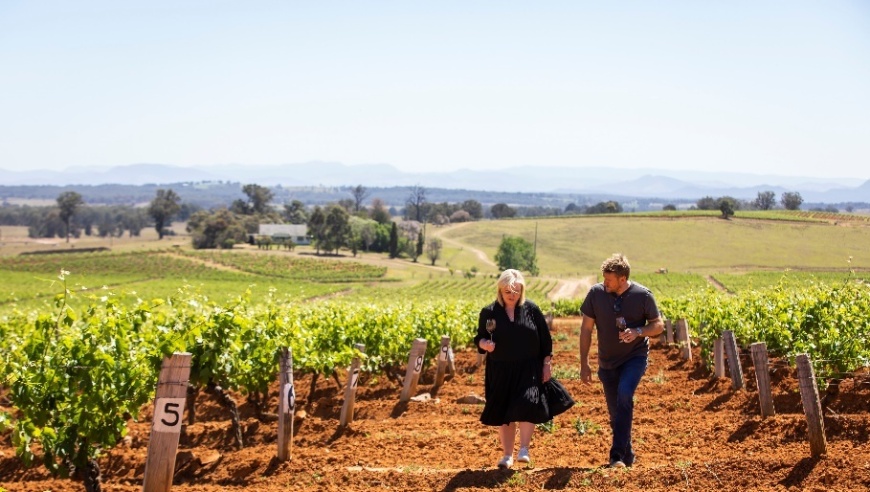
(751,86)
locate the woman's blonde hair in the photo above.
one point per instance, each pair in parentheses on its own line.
(514,280)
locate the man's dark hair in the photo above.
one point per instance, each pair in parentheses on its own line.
(617,264)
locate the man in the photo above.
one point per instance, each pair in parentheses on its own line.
(626,316)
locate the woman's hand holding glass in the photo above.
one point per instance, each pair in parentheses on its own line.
(488,345)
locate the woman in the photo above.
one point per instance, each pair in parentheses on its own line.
(519,349)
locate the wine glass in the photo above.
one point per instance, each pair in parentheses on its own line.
(490,327)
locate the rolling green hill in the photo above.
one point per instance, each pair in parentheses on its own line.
(576,246)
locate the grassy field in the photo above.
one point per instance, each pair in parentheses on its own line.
(698,250)
(576,246)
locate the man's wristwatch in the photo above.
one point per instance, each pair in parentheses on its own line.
(639,332)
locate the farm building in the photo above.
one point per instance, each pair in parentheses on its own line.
(297,232)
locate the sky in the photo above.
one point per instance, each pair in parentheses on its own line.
(766,87)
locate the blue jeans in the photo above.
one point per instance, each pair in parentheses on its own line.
(619,386)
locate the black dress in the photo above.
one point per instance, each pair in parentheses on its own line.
(512,383)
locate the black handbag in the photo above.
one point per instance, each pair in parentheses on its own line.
(557,397)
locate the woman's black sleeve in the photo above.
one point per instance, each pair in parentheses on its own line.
(485,314)
(546,340)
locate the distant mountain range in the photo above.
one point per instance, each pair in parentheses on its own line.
(640,182)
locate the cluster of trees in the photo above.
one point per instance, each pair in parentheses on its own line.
(346,224)
(608,207)
(765,200)
(72,217)
(503,210)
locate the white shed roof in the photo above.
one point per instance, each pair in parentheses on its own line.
(291,229)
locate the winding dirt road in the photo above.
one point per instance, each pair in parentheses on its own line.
(572,288)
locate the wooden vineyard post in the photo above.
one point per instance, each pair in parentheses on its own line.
(166,424)
(443,360)
(733,360)
(762,378)
(812,406)
(683,338)
(719,358)
(481,359)
(286,405)
(415,366)
(669,331)
(350,389)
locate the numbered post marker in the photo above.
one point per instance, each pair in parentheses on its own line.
(168,413)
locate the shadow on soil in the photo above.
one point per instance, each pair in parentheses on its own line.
(557,478)
(800,472)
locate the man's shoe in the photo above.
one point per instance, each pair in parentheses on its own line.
(506,462)
(617,464)
(523,455)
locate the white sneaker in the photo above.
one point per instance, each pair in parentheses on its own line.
(506,462)
(523,455)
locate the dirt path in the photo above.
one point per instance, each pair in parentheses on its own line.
(483,257)
(573,288)
(717,284)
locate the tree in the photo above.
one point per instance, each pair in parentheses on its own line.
(415,203)
(474,208)
(47,225)
(218,229)
(379,213)
(707,203)
(608,207)
(410,241)
(460,216)
(347,204)
(87,217)
(317,227)
(502,210)
(106,226)
(765,200)
(670,207)
(381,241)
(791,200)
(68,202)
(433,249)
(134,221)
(726,206)
(363,231)
(420,244)
(394,241)
(163,207)
(258,198)
(295,213)
(359,193)
(336,232)
(516,252)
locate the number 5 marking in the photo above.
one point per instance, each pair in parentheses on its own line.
(167,414)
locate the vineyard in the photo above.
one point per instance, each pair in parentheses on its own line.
(692,432)
(82,352)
